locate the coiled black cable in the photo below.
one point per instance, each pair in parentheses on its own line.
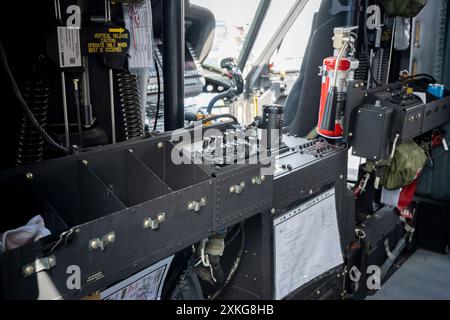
(30,148)
(130,101)
(25,106)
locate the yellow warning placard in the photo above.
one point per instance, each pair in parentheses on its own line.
(111,41)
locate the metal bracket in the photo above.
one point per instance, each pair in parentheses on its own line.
(154,223)
(39,265)
(237,189)
(96,244)
(258,180)
(197,206)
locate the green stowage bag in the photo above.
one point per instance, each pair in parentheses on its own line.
(408,162)
(403,8)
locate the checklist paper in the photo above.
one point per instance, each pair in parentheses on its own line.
(307,244)
(144,286)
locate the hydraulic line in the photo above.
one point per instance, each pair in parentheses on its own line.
(224,95)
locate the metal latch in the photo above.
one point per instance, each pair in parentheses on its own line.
(259,180)
(197,206)
(154,223)
(237,189)
(96,244)
(39,265)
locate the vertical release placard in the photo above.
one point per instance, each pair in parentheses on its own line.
(306,244)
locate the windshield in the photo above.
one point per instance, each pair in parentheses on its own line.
(232,26)
(232,29)
(290,55)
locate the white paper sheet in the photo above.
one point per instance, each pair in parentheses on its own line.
(146,285)
(307,244)
(138,20)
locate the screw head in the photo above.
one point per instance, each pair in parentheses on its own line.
(85,163)
(273,211)
(147,223)
(51,261)
(94,244)
(28,271)
(232,189)
(160,145)
(263,178)
(111,238)
(191,206)
(161,217)
(29,176)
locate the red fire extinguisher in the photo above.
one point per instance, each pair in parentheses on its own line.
(336,72)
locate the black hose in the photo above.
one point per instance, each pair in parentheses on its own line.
(214,118)
(158,103)
(26,108)
(421,75)
(221,116)
(217,98)
(236,264)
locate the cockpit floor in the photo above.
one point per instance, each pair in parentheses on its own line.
(425,276)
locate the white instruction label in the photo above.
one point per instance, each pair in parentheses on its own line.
(138,20)
(69,47)
(307,244)
(144,286)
